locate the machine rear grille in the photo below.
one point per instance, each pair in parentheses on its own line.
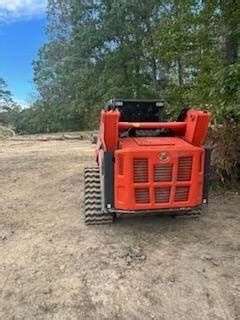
(140,169)
(182,193)
(162,195)
(165,186)
(162,173)
(184,169)
(142,195)
(120,165)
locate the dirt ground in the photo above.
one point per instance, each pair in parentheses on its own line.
(52,266)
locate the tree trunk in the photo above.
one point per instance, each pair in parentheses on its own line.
(231,41)
(230,50)
(231,25)
(179,58)
(137,80)
(154,74)
(180,71)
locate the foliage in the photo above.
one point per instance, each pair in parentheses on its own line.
(5,96)
(185,51)
(8,109)
(225,141)
(169,49)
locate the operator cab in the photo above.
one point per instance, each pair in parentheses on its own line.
(140,111)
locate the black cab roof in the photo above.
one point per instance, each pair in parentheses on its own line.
(141,102)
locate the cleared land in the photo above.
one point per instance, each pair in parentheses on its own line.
(54,267)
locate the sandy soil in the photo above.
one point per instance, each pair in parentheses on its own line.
(54,267)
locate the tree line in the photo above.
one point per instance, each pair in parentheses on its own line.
(183,51)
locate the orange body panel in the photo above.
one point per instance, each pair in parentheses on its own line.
(109,129)
(197,127)
(153,173)
(125,189)
(108,133)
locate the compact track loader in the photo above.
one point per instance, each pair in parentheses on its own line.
(145,164)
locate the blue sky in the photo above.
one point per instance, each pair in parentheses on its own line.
(22,25)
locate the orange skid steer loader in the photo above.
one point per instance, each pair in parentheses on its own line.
(145,164)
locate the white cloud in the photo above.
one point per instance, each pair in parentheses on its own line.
(22,103)
(12,10)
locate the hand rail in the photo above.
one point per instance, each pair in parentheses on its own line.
(176,127)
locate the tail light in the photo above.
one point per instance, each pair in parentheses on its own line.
(184,169)
(140,169)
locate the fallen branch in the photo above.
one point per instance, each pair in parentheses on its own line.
(48,138)
(70,137)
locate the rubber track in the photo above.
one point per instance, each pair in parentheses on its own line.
(93,204)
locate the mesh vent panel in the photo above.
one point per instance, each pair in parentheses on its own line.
(120,165)
(185,169)
(182,193)
(140,170)
(162,195)
(142,195)
(162,173)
